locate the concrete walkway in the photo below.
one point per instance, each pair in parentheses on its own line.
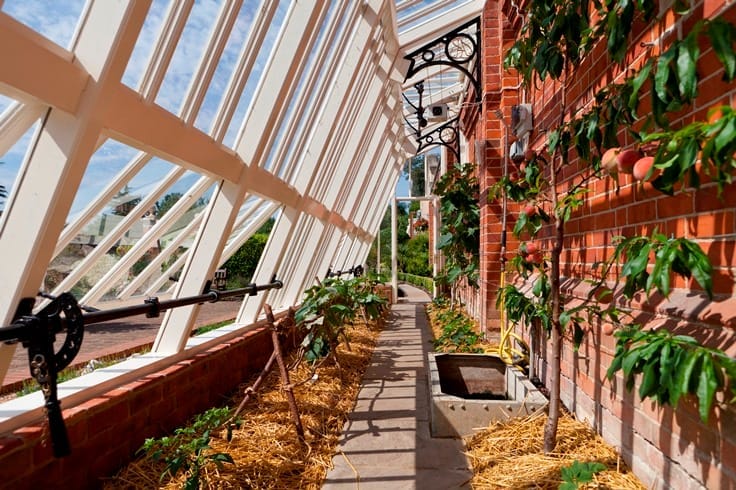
(386,443)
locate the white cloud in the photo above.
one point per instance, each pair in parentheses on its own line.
(54,19)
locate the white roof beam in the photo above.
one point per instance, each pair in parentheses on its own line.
(30,81)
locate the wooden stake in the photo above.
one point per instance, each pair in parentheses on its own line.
(284,374)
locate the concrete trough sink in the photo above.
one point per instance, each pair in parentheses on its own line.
(469,391)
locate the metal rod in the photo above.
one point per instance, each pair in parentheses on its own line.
(152,307)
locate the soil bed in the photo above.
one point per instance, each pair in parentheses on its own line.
(509,455)
(265,448)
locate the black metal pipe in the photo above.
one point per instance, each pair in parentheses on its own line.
(152,307)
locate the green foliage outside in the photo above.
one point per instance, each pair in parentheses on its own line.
(422,282)
(414,256)
(242,264)
(165,203)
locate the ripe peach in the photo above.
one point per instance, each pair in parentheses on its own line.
(531,248)
(608,160)
(626,159)
(530,210)
(608,329)
(641,169)
(535,257)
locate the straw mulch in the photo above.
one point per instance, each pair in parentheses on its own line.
(509,455)
(265,448)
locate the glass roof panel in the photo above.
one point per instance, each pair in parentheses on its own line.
(225,67)
(264,52)
(53,19)
(306,74)
(144,45)
(11,161)
(188,52)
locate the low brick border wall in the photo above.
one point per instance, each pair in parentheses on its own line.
(106,431)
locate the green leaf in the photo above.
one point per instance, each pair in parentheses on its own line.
(687,56)
(707,385)
(685,371)
(649,380)
(721,37)
(663,73)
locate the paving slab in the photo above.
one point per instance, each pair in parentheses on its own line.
(386,443)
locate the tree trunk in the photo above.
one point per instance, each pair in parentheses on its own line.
(550,430)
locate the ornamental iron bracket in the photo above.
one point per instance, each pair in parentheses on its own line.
(445,135)
(461,47)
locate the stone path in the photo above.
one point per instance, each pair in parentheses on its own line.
(386,443)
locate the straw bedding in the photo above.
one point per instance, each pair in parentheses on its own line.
(265,447)
(509,455)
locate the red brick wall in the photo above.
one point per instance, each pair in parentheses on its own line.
(105,432)
(666,448)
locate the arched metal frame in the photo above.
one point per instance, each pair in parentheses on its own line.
(458,49)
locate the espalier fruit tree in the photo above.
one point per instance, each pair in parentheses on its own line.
(556,36)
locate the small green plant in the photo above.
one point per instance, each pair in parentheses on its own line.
(458,332)
(189,448)
(330,306)
(578,474)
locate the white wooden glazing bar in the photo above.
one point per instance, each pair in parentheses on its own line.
(163,51)
(382,198)
(295,261)
(60,149)
(109,240)
(101,200)
(362,209)
(343,258)
(338,80)
(323,240)
(201,80)
(278,82)
(265,212)
(353,152)
(374,159)
(339,257)
(16,120)
(154,267)
(246,60)
(271,263)
(367,143)
(328,246)
(425,11)
(314,91)
(424,32)
(330,115)
(201,262)
(348,114)
(147,241)
(178,264)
